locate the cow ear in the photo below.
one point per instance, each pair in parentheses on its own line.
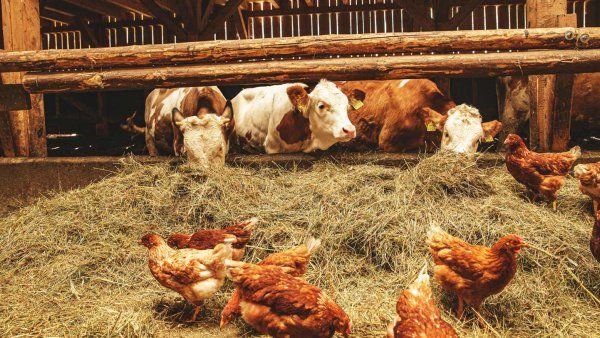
(177,117)
(356,98)
(433,120)
(299,97)
(490,130)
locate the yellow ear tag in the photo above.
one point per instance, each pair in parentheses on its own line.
(489,138)
(430,126)
(357,104)
(301,108)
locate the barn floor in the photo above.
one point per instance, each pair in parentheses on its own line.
(71,265)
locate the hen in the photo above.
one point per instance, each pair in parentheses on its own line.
(278,304)
(209,238)
(418,316)
(293,261)
(473,272)
(542,173)
(589,181)
(595,239)
(195,274)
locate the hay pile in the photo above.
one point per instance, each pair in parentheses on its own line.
(71,265)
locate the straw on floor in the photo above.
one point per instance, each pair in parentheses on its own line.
(71,263)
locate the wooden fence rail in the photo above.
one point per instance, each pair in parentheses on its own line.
(308,47)
(380,68)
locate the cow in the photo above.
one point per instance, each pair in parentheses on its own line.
(513,103)
(186,122)
(408,115)
(292,118)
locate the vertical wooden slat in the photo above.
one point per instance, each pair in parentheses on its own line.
(22,31)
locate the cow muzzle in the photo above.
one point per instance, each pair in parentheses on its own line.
(348,132)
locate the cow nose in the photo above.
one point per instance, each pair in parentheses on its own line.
(349,131)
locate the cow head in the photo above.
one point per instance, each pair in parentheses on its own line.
(461,128)
(326,108)
(204,142)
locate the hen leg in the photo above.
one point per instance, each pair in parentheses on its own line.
(461,308)
(554,205)
(196,312)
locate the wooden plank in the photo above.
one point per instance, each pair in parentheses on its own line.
(21,31)
(211,51)
(7,143)
(101,7)
(376,68)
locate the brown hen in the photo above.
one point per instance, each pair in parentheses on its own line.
(195,274)
(473,272)
(542,173)
(280,305)
(589,181)
(209,238)
(293,261)
(418,316)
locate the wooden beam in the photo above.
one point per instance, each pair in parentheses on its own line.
(312,46)
(56,16)
(14,97)
(21,31)
(240,24)
(461,16)
(166,18)
(542,88)
(205,16)
(89,34)
(100,7)
(216,24)
(563,99)
(61,6)
(131,5)
(371,68)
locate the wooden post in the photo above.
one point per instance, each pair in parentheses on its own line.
(21,31)
(544,123)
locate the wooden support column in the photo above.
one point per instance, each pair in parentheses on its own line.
(441,12)
(21,31)
(542,88)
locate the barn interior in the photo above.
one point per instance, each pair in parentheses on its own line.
(85,124)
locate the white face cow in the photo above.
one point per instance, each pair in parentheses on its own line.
(326,108)
(204,140)
(461,128)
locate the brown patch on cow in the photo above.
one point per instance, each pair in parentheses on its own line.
(294,127)
(298,96)
(393,112)
(199,101)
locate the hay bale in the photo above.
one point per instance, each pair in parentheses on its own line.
(71,265)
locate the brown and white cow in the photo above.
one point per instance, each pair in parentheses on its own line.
(513,103)
(287,118)
(186,122)
(404,115)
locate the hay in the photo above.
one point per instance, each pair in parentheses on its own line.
(71,264)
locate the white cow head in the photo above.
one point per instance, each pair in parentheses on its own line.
(461,128)
(204,140)
(326,108)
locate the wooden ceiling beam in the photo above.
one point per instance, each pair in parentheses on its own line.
(101,7)
(57,16)
(166,18)
(69,9)
(222,15)
(132,6)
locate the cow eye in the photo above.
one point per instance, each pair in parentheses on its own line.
(321,105)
